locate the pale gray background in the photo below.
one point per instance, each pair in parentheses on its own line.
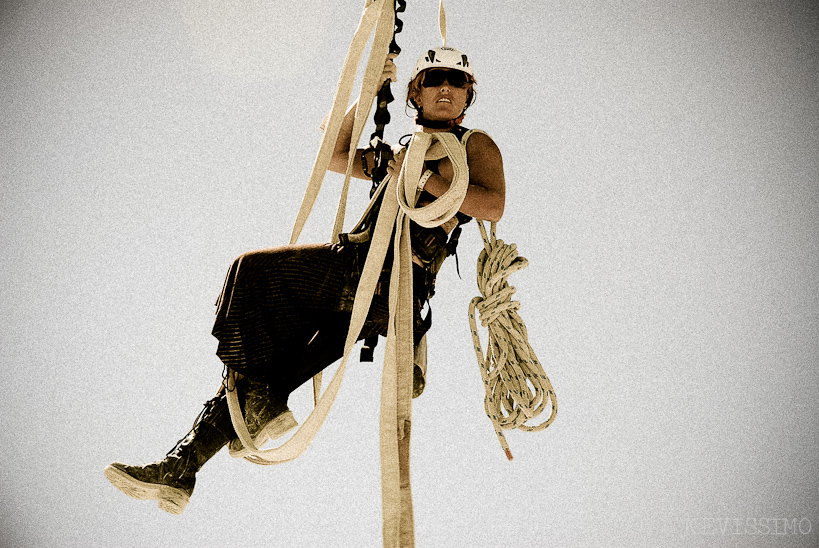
(661,160)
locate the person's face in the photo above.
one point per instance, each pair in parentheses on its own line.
(443,94)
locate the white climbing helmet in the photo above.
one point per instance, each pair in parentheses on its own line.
(443,57)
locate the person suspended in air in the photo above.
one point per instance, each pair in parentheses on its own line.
(284,312)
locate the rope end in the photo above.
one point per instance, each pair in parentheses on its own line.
(442,21)
(508,454)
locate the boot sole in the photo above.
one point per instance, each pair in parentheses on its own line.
(274,429)
(170,499)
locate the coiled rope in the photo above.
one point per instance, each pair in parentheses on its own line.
(517,388)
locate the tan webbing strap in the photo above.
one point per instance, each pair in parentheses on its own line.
(396,388)
(299,442)
(372,10)
(434,146)
(296,445)
(369,89)
(442,21)
(396,403)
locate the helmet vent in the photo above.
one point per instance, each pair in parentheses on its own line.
(442,57)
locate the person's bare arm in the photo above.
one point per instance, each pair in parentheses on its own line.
(338,162)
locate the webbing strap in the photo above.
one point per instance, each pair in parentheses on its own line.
(434,146)
(372,11)
(398,529)
(375,10)
(396,387)
(442,21)
(369,89)
(394,216)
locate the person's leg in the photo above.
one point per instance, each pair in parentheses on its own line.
(279,322)
(272,303)
(172,479)
(267,313)
(266,412)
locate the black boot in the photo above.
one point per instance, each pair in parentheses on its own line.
(267,416)
(171,480)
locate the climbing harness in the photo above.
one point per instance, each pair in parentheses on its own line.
(393,205)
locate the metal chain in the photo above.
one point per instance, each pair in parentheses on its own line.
(383,152)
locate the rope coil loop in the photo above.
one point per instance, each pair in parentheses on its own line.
(517,388)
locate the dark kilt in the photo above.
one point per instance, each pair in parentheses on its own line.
(282,315)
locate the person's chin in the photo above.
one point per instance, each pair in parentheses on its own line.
(440,115)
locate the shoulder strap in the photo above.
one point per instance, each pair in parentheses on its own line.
(468,133)
(459,132)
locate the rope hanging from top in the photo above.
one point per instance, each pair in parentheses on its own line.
(442,21)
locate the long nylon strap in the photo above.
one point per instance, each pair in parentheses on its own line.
(376,10)
(396,211)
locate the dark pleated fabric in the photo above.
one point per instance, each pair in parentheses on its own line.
(279,318)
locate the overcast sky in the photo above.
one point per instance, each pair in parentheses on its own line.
(662,167)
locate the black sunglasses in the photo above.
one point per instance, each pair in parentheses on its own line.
(435,77)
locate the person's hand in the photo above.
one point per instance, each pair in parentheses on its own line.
(390,73)
(394,165)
